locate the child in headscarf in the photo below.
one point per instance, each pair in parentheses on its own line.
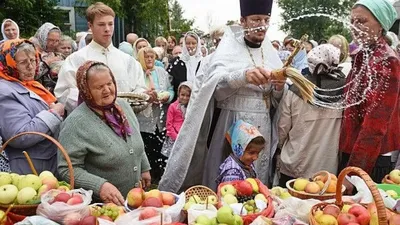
(176,115)
(246,143)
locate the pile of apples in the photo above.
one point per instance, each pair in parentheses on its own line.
(70,199)
(353,215)
(27,189)
(195,199)
(246,192)
(316,185)
(225,216)
(109,211)
(137,197)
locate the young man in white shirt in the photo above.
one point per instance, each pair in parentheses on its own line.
(127,71)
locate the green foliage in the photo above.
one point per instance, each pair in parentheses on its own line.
(179,25)
(31,14)
(316,27)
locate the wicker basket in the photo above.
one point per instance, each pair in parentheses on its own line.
(372,187)
(322,195)
(29,210)
(202,191)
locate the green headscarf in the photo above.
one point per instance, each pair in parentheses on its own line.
(383,11)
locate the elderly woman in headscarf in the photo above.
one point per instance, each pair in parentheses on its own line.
(184,68)
(9,30)
(26,106)
(152,120)
(309,134)
(371,124)
(48,36)
(102,138)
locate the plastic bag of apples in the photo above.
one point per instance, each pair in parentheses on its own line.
(57,204)
(245,190)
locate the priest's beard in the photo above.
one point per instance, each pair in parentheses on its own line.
(255,37)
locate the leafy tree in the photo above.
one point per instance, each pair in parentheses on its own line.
(179,25)
(31,14)
(316,27)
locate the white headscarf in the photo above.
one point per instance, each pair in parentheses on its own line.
(2,29)
(191,62)
(43,32)
(135,51)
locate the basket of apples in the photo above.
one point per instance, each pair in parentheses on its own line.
(172,204)
(346,213)
(321,186)
(199,194)
(24,192)
(248,198)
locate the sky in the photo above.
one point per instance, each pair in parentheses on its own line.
(220,11)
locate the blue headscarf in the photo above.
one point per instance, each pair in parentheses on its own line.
(240,135)
(383,11)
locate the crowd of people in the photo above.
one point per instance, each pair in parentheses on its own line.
(214,114)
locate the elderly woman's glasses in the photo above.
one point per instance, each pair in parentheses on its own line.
(27,62)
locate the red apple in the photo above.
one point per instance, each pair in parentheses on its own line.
(168,198)
(244,188)
(352,223)
(346,219)
(75,200)
(361,213)
(152,202)
(332,210)
(394,219)
(135,197)
(148,213)
(72,219)
(62,197)
(89,220)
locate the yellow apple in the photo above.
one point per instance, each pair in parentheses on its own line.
(300,184)
(327,220)
(346,208)
(254,184)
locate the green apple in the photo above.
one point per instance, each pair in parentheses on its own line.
(212,200)
(188,205)
(195,199)
(204,220)
(8,193)
(30,180)
(15,179)
(2,216)
(230,199)
(225,215)
(45,174)
(261,197)
(394,176)
(285,195)
(214,221)
(228,189)
(238,220)
(392,194)
(25,195)
(5,178)
(277,191)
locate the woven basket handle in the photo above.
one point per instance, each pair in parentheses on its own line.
(381,209)
(59,146)
(326,185)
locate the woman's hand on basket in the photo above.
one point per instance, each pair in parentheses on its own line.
(146,179)
(110,194)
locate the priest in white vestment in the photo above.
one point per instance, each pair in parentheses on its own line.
(127,71)
(239,79)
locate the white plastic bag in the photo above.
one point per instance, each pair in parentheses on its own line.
(261,220)
(33,220)
(132,218)
(175,210)
(197,210)
(296,208)
(58,210)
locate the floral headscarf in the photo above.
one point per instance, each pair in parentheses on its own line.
(43,32)
(113,115)
(9,71)
(240,135)
(325,54)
